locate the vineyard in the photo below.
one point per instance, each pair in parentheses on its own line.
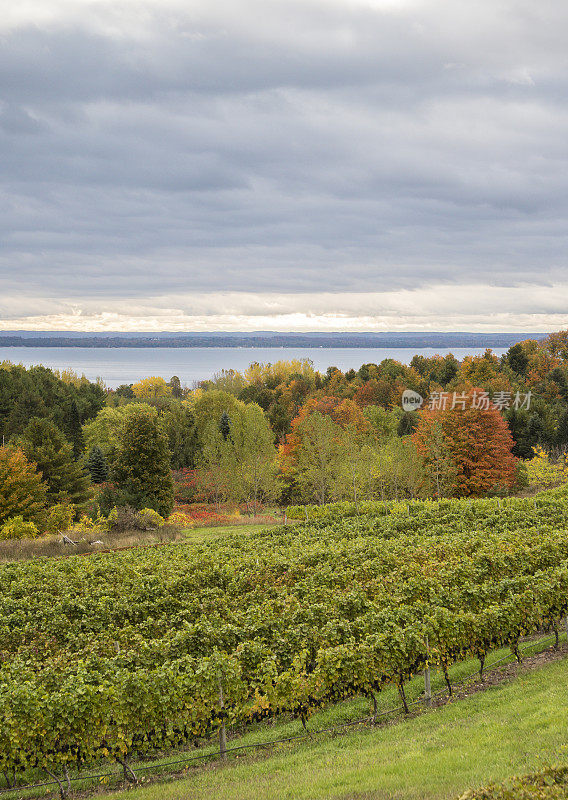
(116,656)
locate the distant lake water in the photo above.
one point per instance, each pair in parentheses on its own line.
(130,364)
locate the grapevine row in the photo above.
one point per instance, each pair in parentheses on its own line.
(118,655)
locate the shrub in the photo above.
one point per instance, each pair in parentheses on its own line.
(541,471)
(550,784)
(127,518)
(18,528)
(59,518)
(185,485)
(92,527)
(180,518)
(148,518)
(522,477)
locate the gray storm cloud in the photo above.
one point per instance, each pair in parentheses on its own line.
(153,149)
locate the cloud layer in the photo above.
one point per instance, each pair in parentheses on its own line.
(164,163)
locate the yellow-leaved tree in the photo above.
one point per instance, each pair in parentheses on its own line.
(151,388)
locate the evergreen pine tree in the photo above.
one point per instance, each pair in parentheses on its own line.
(97,465)
(535,429)
(74,430)
(407,423)
(517,358)
(125,390)
(44,444)
(562,430)
(225,425)
(142,469)
(175,386)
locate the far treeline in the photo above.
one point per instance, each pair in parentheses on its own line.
(280,433)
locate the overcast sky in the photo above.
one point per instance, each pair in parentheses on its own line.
(303,164)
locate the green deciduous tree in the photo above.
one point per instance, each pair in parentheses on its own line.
(216,465)
(256,457)
(439,465)
(358,462)
(237,456)
(142,469)
(106,429)
(318,465)
(178,425)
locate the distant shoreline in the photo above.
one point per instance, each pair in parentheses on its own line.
(262,339)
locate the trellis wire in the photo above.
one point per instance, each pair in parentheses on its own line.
(309,735)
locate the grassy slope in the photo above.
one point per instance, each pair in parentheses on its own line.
(510,729)
(205,534)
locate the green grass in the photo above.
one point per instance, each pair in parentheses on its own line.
(514,728)
(210,533)
(332,716)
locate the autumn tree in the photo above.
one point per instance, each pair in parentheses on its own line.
(142,469)
(477,441)
(151,388)
(320,454)
(439,467)
(374,392)
(22,491)
(557,344)
(342,412)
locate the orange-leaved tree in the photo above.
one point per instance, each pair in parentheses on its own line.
(467,449)
(22,491)
(344,413)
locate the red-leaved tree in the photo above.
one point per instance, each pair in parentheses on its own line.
(467,451)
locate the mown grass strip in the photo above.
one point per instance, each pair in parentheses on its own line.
(505,730)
